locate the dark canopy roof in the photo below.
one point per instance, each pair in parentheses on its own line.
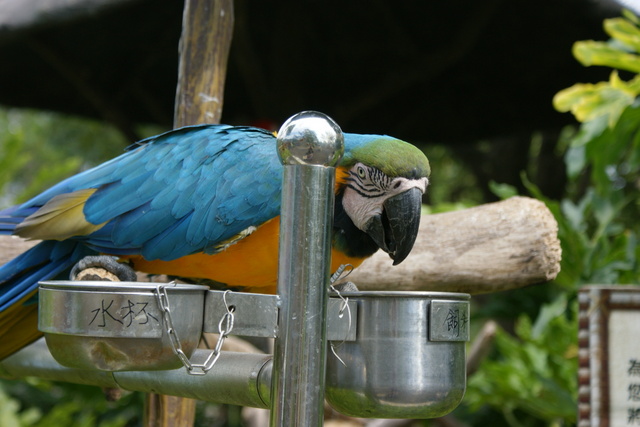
(447,71)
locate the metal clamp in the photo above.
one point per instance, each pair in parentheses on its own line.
(256,315)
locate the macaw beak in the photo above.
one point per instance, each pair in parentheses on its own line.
(396,229)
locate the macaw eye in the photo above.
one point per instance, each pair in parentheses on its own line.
(361,172)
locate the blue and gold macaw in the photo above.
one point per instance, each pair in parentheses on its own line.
(203,202)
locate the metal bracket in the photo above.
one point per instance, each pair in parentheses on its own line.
(256,315)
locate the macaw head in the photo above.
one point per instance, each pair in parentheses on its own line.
(380,182)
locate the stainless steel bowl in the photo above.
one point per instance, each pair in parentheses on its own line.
(118,326)
(408,360)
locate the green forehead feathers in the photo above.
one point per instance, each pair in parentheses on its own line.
(392,156)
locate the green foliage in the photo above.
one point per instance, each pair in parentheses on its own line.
(38,403)
(532,378)
(10,414)
(609,99)
(534,373)
(39,149)
(598,218)
(590,101)
(504,191)
(450,180)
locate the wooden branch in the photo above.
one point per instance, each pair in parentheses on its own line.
(167,411)
(481,346)
(488,248)
(207,27)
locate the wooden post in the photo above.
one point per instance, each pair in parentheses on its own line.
(207,28)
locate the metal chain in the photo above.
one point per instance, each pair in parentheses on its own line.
(225,326)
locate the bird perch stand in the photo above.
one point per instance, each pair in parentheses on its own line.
(393,354)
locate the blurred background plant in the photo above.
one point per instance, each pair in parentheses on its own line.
(532,376)
(41,148)
(530,379)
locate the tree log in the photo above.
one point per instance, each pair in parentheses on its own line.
(488,248)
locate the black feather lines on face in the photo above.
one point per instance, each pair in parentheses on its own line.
(377,185)
(347,238)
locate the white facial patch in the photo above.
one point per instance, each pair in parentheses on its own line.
(367,190)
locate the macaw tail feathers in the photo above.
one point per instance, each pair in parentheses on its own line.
(19,285)
(18,326)
(9,222)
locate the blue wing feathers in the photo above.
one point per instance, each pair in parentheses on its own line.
(181,192)
(136,220)
(164,244)
(184,203)
(171,195)
(194,175)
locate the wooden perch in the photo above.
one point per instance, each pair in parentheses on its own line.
(488,248)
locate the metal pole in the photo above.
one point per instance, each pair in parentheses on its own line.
(242,379)
(310,145)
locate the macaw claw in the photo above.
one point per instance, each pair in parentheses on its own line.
(85,269)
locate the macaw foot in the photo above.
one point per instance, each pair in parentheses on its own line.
(102,268)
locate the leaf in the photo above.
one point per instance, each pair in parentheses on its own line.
(532,373)
(592,52)
(589,131)
(548,312)
(604,210)
(574,213)
(625,31)
(504,191)
(575,160)
(630,16)
(566,99)
(589,101)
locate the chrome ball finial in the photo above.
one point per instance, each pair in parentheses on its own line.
(310,138)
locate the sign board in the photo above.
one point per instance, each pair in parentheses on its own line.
(609,356)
